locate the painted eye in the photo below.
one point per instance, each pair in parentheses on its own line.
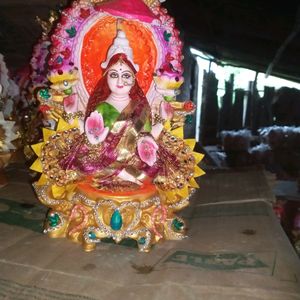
(65,83)
(126,76)
(113,75)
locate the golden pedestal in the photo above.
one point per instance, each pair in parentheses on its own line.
(88,215)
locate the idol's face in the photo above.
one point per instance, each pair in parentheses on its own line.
(120,79)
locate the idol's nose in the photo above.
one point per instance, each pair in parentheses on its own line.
(119,81)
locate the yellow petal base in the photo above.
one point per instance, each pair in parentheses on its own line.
(86,216)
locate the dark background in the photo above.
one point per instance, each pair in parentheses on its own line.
(244,33)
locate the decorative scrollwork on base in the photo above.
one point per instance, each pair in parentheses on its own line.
(88,221)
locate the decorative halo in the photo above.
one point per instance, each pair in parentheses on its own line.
(85,31)
(100,37)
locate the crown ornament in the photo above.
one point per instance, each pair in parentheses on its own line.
(120,45)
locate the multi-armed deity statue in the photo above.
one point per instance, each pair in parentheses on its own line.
(114,163)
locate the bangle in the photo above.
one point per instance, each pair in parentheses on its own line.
(158,119)
(69,116)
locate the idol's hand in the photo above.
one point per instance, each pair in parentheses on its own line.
(124,175)
(156,130)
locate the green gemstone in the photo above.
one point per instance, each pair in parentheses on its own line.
(169,98)
(53,220)
(142,241)
(116,220)
(177,225)
(68,91)
(189,119)
(44,93)
(167,36)
(92,235)
(71,32)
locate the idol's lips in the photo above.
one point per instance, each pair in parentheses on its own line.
(120,86)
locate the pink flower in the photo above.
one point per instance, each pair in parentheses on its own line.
(166,110)
(70,104)
(147,149)
(94,128)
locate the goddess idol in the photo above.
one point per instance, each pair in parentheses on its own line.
(116,165)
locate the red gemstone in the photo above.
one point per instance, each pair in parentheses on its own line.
(188,106)
(84,13)
(66,53)
(55,41)
(169,57)
(64,20)
(44,108)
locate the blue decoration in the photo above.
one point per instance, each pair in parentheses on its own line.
(177,225)
(116,221)
(142,241)
(92,235)
(59,59)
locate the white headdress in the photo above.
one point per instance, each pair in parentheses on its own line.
(120,45)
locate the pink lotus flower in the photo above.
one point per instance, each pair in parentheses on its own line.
(70,104)
(94,128)
(147,149)
(166,110)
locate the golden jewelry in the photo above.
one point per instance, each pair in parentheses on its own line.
(69,116)
(158,119)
